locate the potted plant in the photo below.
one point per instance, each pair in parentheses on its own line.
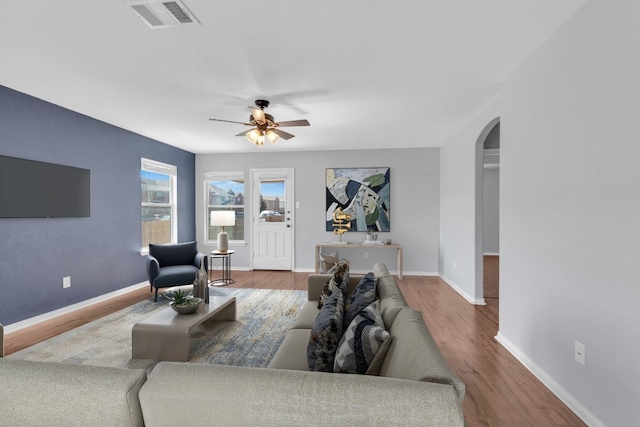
(183,302)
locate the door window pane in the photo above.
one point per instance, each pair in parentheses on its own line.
(272,201)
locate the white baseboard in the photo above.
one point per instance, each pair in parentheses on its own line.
(458,289)
(491,254)
(71,308)
(219,268)
(546,379)
(420,273)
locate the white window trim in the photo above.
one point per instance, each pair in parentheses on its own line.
(219,176)
(172,171)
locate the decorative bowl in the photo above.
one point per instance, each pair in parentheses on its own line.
(190,308)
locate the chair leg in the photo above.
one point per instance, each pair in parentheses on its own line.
(156,300)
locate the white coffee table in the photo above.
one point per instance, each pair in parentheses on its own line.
(165,335)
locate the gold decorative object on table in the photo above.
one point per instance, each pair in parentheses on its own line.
(341,222)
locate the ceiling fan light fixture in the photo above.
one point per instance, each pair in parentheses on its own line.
(273,137)
(265,126)
(254,136)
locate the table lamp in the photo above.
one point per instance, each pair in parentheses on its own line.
(222,219)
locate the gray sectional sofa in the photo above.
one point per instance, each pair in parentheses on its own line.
(416,386)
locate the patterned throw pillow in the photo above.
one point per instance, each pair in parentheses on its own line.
(339,280)
(362,296)
(363,341)
(326,334)
(376,364)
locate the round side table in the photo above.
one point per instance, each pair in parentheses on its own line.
(226,268)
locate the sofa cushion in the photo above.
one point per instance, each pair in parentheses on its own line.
(306,316)
(292,353)
(380,270)
(338,280)
(362,296)
(174,275)
(326,334)
(414,355)
(362,340)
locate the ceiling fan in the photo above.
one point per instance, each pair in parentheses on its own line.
(265,126)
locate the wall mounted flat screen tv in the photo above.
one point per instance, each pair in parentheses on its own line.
(31,189)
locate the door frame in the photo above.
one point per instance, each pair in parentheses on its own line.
(274,173)
(478,297)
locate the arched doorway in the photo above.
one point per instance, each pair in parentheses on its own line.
(489,156)
(491,218)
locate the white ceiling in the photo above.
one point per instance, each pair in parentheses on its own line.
(365,73)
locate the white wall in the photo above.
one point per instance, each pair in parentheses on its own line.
(570,236)
(491,211)
(460,211)
(415,183)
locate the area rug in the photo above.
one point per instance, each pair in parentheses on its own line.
(263,318)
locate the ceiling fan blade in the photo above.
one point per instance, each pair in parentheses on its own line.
(231,121)
(258,115)
(244,133)
(291,123)
(282,134)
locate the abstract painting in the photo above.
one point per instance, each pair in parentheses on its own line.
(363,193)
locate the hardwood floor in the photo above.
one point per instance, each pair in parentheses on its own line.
(491,278)
(499,390)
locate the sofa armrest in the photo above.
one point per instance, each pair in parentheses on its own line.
(48,394)
(201,260)
(287,397)
(153,268)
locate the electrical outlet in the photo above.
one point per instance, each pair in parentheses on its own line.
(455,265)
(366,255)
(66,282)
(580,354)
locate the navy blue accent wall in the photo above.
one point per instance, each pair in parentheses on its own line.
(100,253)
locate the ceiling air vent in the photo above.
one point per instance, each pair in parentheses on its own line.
(162,14)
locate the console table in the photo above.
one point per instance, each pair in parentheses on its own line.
(397,247)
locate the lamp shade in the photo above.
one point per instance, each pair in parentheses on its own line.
(273,137)
(254,136)
(222,218)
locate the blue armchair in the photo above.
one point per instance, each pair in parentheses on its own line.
(174,264)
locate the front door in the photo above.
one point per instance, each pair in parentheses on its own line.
(272,219)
